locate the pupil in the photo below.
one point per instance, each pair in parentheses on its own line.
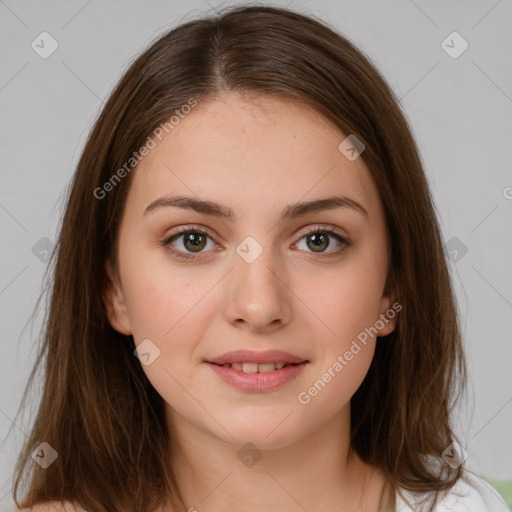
(318,241)
(197,241)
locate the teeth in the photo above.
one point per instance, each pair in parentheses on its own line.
(250,367)
(255,367)
(265,368)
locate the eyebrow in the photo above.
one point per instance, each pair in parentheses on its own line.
(291,211)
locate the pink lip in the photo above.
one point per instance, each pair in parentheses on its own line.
(257,382)
(251,356)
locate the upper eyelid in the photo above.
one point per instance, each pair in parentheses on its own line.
(183,230)
(322,227)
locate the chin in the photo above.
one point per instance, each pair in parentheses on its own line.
(266,435)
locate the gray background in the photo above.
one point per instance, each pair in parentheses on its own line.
(460,110)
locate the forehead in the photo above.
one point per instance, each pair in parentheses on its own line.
(254,155)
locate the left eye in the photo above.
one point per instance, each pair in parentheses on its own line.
(318,241)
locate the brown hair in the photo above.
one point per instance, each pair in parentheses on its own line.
(98,410)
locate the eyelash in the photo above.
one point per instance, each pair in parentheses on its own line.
(325,229)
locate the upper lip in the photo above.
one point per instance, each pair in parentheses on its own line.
(251,356)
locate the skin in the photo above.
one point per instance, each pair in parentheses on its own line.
(255,156)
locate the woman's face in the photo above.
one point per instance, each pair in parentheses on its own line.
(266,275)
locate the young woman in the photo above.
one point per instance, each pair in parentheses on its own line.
(251,307)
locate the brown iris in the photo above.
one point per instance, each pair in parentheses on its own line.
(318,241)
(194,242)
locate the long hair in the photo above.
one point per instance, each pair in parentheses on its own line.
(98,410)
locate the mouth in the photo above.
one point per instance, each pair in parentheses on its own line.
(249,367)
(255,377)
(257,371)
(252,361)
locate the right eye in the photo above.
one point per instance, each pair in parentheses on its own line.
(190,241)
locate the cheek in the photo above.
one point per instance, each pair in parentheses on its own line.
(173,311)
(331,391)
(344,357)
(167,307)
(345,302)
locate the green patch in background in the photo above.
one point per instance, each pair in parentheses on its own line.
(504,488)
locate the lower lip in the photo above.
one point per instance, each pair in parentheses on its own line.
(256,381)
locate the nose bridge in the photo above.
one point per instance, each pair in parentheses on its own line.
(256,267)
(258,295)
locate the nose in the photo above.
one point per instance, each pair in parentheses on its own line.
(258,297)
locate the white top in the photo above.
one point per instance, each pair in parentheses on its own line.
(471,493)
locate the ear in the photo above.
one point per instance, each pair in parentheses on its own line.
(115,305)
(389,309)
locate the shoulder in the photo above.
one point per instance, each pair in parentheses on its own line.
(470,493)
(473,492)
(54,506)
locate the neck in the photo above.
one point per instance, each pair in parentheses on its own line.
(316,472)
